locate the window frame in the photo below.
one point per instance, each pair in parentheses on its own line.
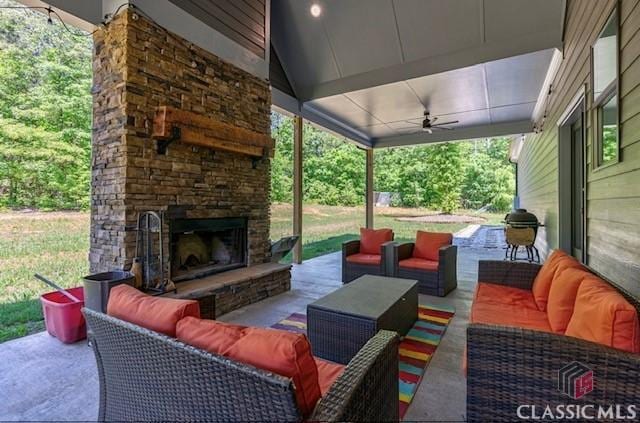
(610,91)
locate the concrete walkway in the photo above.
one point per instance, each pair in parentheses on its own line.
(42,379)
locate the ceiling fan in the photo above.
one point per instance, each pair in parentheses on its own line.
(428,124)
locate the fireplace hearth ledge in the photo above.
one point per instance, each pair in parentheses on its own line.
(224,292)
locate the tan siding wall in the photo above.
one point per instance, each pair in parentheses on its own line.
(613,193)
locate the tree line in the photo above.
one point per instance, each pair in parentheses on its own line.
(449,176)
(45,139)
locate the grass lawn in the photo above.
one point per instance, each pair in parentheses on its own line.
(56,245)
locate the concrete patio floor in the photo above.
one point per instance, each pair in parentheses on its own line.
(44,380)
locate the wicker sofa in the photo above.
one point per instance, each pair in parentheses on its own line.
(511,364)
(358,259)
(435,277)
(145,376)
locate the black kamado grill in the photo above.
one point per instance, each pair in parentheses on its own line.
(521,229)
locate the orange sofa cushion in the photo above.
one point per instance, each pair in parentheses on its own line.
(542,282)
(328,373)
(509,315)
(371,240)
(360,258)
(562,296)
(604,316)
(209,335)
(428,244)
(154,313)
(285,353)
(500,294)
(418,263)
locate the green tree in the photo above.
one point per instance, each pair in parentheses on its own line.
(45,112)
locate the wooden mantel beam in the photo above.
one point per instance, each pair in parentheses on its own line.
(204,131)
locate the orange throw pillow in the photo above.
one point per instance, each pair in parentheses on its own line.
(562,297)
(209,335)
(428,244)
(154,313)
(372,239)
(604,316)
(542,282)
(285,353)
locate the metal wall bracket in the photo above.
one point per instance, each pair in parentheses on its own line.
(163,144)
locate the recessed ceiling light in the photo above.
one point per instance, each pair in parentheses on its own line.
(315,10)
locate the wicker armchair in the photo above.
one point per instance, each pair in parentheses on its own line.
(351,271)
(146,376)
(508,367)
(437,282)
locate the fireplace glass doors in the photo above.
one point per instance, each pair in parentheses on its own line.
(201,247)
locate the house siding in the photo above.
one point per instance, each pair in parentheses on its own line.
(613,193)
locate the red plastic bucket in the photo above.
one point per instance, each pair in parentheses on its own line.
(62,317)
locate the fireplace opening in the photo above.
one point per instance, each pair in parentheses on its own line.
(202,247)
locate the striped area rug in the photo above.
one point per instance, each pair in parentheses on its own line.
(415,349)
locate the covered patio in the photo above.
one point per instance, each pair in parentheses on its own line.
(182,95)
(45,380)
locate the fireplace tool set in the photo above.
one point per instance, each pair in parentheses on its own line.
(150,254)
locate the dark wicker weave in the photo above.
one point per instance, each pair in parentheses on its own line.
(340,323)
(147,376)
(509,367)
(438,283)
(351,271)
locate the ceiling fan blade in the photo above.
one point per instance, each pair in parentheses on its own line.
(447,123)
(443,128)
(433,119)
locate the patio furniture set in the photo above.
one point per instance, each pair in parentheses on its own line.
(431,259)
(549,334)
(157,360)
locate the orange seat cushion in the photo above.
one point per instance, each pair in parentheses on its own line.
(285,353)
(562,296)
(542,282)
(500,294)
(371,240)
(360,258)
(209,335)
(328,373)
(418,263)
(428,244)
(603,315)
(154,313)
(509,315)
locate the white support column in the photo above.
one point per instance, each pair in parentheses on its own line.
(369,188)
(297,186)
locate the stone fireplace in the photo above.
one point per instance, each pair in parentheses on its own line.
(215,203)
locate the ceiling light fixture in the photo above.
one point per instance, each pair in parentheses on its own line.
(315,10)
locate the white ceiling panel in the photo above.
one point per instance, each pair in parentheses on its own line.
(389,102)
(347,111)
(432,27)
(505,19)
(371,31)
(451,92)
(379,131)
(302,45)
(512,113)
(517,79)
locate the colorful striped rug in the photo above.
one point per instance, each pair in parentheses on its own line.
(415,350)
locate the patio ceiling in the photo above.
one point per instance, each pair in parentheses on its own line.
(370,72)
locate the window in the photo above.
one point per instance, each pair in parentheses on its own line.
(605,94)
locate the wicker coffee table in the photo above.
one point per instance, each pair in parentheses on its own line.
(340,323)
